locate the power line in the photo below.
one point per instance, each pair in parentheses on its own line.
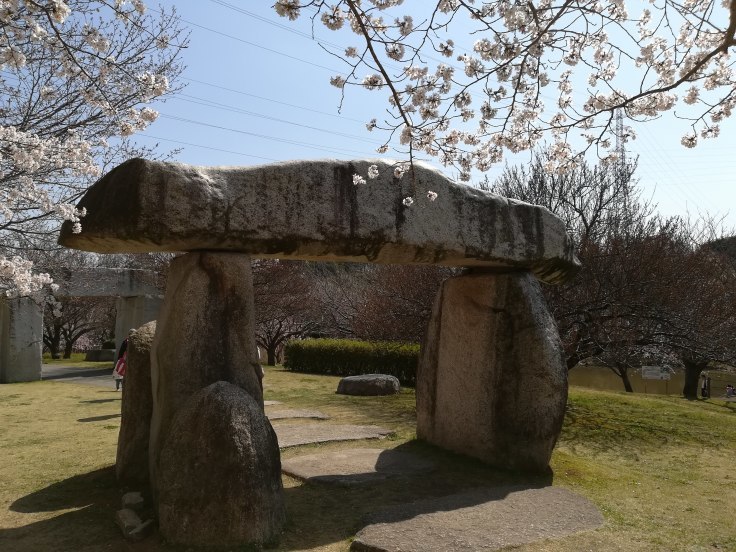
(205,147)
(263,136)
(242,93)
(217,105)
(271,50)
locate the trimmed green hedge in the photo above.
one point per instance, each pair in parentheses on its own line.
(347,357)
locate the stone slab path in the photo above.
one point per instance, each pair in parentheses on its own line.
(294,413)
(482,520)
(99,377)
(292,435)
(355,466)
(271,403)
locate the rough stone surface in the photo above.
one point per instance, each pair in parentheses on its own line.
(205,333)
(127,520)
(312,210)
(105,282)
(131,463)
(292,435)
(369,385)
(21,333)
(142,531)
(133,500)
(355,466)
(489,519)
(492,381)
(219,472)
(294,413)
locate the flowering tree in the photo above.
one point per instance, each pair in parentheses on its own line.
(75,80)
(537,69)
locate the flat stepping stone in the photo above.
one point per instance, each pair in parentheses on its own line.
(486,519)
(355,466)
(293,435)
(271,403)
(292,413)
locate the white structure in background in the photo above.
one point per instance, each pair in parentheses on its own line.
(21,320)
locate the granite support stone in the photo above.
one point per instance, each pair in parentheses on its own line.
(205,333)
(21,337)
(131,463)
(492,382)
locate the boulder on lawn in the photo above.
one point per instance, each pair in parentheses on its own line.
(369,385)
(219,477)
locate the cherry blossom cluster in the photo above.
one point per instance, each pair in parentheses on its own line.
(467,81)
(18,280)
(75,74)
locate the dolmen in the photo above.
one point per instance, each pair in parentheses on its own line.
(491,380)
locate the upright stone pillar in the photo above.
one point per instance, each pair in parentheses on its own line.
(133,312)
(21,339)
(492,381)
(208,423)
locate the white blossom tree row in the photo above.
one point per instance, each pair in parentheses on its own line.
(76,79)
(532,71)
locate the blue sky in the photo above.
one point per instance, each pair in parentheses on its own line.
(258,91)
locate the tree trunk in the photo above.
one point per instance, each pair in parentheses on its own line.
(68,346)
(53,344)
(271,355)
(693,369)
(624,373)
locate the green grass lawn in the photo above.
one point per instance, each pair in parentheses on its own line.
(75,361)
(661,469)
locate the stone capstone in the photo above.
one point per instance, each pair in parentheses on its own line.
(492,380)
(369,384)
(219,472)
(312,210)
(205,334)
(131,464)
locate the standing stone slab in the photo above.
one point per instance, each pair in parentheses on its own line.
(131,464)
(219,472)
(21,336)
(205,333)
(492,381)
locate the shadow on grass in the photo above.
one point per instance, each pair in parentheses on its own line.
(75,492)
(100,401)
(91,526)
(319,514)
(99,418)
